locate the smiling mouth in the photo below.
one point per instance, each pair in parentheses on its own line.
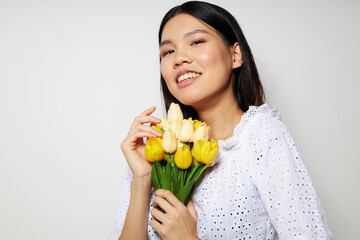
(187,76)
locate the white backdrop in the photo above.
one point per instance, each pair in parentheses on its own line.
(74,74)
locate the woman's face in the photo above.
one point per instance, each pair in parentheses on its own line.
(195,62)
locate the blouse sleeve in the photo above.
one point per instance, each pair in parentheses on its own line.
(123,203)
(283,182)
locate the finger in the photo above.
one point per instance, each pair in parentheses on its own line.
(145,119)
(162,203)
(148,111)
(158,215)
(155,225)
(191,209)
(135,139)
(171,198)
(143,131)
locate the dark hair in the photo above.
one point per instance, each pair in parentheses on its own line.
(247,86)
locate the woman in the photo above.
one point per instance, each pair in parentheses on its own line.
(258,187)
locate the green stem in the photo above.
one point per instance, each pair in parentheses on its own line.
(194,171)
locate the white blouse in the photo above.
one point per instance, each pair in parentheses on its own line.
(257,188)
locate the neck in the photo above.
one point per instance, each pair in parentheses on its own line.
(222,115)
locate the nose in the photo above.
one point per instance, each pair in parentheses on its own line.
(181,57)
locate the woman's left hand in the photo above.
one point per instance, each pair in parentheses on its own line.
(178,221)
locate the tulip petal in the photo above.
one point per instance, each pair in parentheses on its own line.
(153,150)
(196,150)
(174,112)
(169,143)
(182,157)
(186,130)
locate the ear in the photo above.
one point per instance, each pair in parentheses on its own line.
(236,54)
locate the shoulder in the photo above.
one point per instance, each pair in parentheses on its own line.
(262,121)
(255,120)
(265,128)
(260,128)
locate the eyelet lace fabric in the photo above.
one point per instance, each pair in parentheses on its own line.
(246,118)
(257,188)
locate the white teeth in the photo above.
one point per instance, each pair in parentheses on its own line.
(187,76)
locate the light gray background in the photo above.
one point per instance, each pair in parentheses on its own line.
(74,74)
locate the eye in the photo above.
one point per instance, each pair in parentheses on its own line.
(167,52)
(196,42)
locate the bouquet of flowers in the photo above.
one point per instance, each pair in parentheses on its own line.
(181,154)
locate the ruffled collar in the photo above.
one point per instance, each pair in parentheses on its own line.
(252,112)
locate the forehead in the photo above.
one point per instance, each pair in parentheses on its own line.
(183,23)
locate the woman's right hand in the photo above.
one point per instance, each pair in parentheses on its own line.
(133,145)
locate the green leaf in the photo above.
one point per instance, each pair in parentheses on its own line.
(168,173)
(163,166)
(189,194)
(176,172)
(164,181)
(182,178)
(184,194)
(154,176)
(168,170)
(176,186)
(192,172)
(175,169)
(198,172)
(191,167)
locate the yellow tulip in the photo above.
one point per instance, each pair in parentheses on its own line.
(153,150)
(175,113)
(209,151)
(182,157)
(169,143)
(196,124)
(196,150)
(201,133)
(205,152)
(157,128)
(186,130)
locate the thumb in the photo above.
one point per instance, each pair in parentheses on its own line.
(191,209)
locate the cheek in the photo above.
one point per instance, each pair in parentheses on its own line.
(208,59)
(164,70)
(167,74)
(214,59)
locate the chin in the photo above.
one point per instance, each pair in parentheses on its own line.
(191,100)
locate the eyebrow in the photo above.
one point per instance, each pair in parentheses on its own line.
(185,36)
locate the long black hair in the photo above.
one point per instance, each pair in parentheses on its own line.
(247,86)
